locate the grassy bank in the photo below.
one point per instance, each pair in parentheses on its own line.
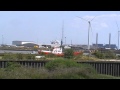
(55,69)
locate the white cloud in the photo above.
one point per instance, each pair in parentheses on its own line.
(76,23)
(89,18)
(99,22)
(104,25)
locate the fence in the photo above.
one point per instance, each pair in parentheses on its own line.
(102,67)
(34,64)
(105,67)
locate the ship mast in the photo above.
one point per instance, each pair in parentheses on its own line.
(62,34)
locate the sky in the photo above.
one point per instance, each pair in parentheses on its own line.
(42,27)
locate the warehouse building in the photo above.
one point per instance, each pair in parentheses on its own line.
(20,43)
(98,45)
(110,46)
(31,45)
(25,44)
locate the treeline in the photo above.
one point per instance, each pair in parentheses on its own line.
(106,55)
(11,56)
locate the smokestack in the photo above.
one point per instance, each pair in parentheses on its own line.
(96,40)
(109,39)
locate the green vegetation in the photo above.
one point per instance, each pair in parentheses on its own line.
(83,57)
(19,56)
(106,55)
(68,53)
(61,63)
(56,69)
(12,66)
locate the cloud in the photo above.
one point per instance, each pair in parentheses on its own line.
(89,18)
(104,17)
(104,25)
(75,23)
(99,22)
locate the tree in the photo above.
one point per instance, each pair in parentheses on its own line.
(68,53)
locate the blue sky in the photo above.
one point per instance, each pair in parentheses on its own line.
(44,26)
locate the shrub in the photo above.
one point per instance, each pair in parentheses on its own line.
(9,56)
(68,53)
(59,63)
(30,56)
(71,71)
(19,56)
(100,55)
(108,54)
(83,57)
(50,55)
(12,66)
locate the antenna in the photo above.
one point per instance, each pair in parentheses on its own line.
(89,22)
(61,43)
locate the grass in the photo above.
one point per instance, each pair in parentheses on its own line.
(19,57)
(55,69)
(83,57)
(66,73)
(0,57)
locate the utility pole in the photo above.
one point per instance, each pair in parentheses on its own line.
(96,40)
(62,32)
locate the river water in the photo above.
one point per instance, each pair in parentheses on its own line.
(23,52)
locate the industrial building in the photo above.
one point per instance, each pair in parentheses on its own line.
(32,45)
(111,46)
(25,44)
(98,45)
(20,43)
(106,46)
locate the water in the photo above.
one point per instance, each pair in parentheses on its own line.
(23,52)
